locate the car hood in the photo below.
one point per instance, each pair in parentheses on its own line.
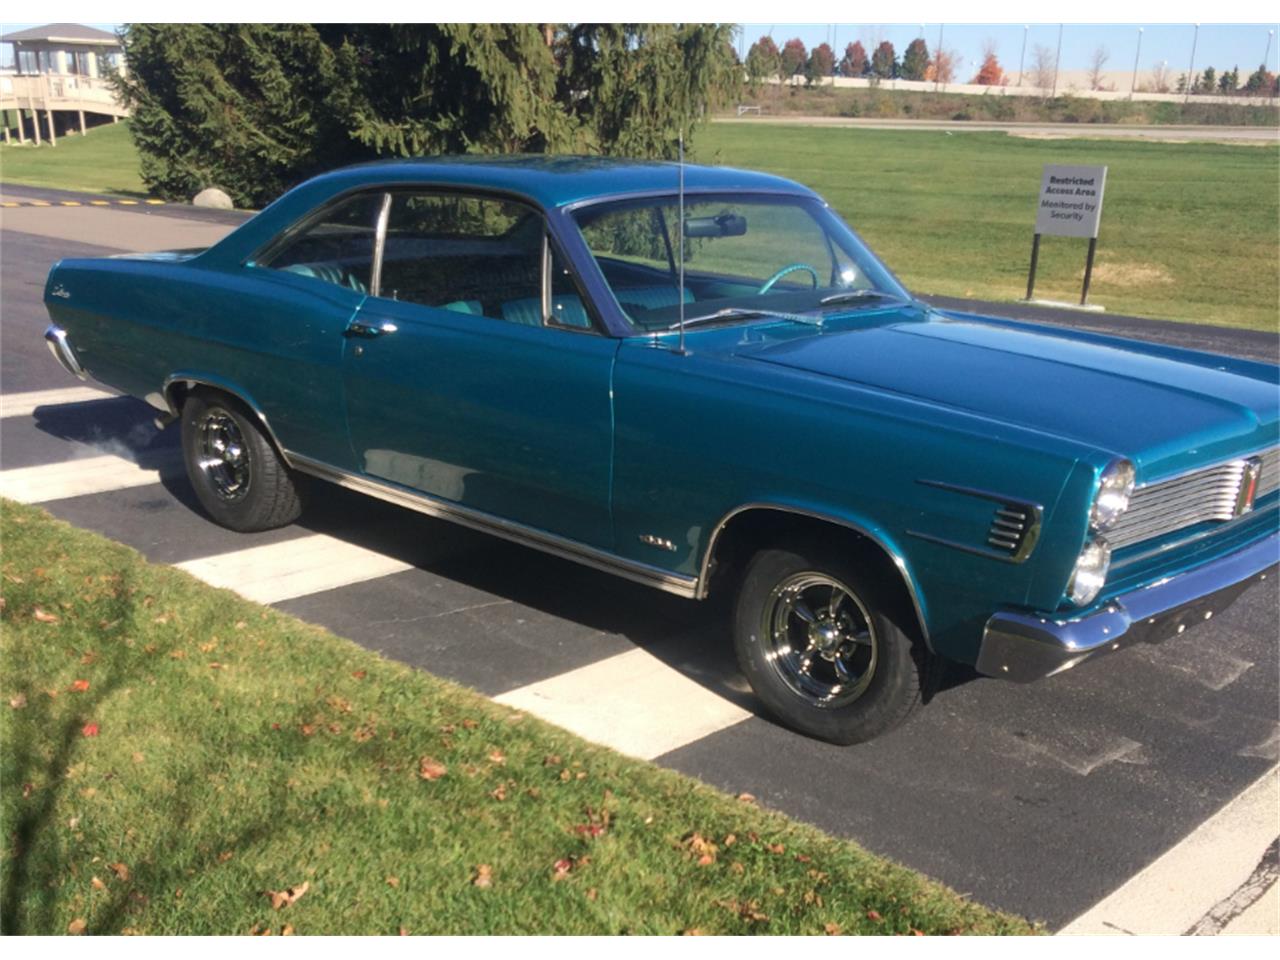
(1166,409)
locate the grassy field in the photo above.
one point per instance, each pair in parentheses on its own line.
(1189,231)
(102,161)
(178,760)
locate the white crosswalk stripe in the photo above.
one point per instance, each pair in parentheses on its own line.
(78,478)
(295,568)
(632,702)
(24,404)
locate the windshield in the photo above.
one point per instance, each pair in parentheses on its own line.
(744,256)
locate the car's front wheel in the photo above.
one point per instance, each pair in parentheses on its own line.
(238,476)
(826,646)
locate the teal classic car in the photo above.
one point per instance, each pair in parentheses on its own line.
(702,380)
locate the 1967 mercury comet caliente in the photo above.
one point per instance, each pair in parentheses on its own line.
(712,389)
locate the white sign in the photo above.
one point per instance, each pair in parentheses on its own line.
(1070,201)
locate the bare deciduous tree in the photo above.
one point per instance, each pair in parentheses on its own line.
(1043,66)
(1096,64)
(1160,77)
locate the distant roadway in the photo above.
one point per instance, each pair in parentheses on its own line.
(1048,130)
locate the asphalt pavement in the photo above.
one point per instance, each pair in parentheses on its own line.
(1039,799)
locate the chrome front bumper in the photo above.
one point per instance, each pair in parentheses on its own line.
(1024,647)
(56,338)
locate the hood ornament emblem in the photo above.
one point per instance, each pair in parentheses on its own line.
(61,292)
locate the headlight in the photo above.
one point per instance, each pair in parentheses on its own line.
(1115,487)
(1090,572)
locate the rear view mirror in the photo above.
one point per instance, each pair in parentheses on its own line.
(725,225)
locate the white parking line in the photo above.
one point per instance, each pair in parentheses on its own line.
(24,404)
(78,478)
(1173,895)
(632,702)
(295,568)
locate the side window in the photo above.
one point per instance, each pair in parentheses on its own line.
(337,247)
(473,255)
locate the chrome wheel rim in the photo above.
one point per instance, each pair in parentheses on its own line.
(223,457)
(820,639)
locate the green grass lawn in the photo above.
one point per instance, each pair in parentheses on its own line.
(173,755)
(1189,231)
(102,161)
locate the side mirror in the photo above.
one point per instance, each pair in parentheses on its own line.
(725,225)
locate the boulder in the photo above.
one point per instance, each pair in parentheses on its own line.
(212,197)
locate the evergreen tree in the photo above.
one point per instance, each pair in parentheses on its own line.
(255,108)
(1208,81)
(916,60)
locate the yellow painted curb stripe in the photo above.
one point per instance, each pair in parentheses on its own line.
(128,203)
(10,204)
(41,203)
(100,203)
(70,203)
(155,203)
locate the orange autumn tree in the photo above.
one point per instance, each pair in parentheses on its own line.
(989,73)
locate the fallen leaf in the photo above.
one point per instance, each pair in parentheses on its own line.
(592,894)
(499,792)
(429,769)
(89,730)
(469,724)
(832,929)
(27,790)
(393,882)
(79,686)
(76,927)
(917,933)
(240,624)
(120,870)
(286,930)
(163,618)
(404,932)
(308,729)
(18,702)
(730,840)
(872,915)
(497,756)
(224,856)
(483,877)
(746,798)
(776,848)
(73,822)
(44,616)
(138,758)
(283,898)
(359,675)
(561,869)
(551,760)
(97,884)
(692,932)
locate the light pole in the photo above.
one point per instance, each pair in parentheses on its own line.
(1057,63)
(1135,65)
(1022,59)
(937,60)
(1191,70)
(1266,57)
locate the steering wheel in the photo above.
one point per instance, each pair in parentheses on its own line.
(768,284)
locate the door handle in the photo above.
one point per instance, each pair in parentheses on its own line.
(368,331)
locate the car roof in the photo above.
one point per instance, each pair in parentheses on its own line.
(556,181)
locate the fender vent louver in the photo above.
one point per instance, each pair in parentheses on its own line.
(1011,529)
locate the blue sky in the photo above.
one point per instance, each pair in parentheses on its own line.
(1220,45)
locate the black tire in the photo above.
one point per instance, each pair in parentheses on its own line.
(872,686)
(252,490)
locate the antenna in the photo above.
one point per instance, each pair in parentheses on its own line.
(680,231)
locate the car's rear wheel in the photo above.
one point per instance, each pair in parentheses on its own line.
(238,476)
(827,645)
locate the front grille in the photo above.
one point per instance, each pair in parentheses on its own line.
(1200,497)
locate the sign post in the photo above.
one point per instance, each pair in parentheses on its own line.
(1070,205)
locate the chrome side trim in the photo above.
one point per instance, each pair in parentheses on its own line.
(898,560)
(189,380)
(1024,647)
(56,338)
(379,245)
(679,584)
